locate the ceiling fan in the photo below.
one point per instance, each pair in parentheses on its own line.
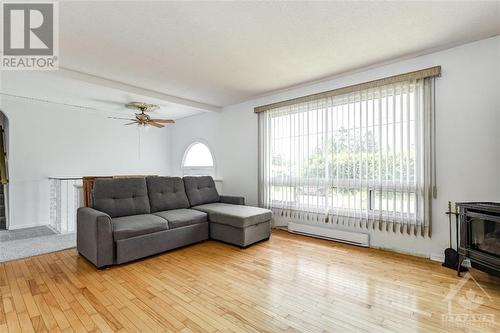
(143,119)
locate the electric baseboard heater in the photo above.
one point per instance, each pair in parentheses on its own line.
(354,238)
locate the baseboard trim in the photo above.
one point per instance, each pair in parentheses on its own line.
(25,226)
(437,257)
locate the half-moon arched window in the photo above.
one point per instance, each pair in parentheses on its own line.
(198,160)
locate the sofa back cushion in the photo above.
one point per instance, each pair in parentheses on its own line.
(121,197)
(200,190)
(166,193)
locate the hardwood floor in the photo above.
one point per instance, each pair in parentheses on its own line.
(290,283)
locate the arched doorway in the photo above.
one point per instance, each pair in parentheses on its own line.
(4,176)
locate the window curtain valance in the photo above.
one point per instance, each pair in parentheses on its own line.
(362,159)
(415,75)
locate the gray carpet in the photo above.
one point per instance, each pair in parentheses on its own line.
(7,235)
(23,243)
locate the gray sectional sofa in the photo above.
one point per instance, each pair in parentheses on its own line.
(132,218)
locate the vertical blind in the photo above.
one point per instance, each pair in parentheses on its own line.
(363,159)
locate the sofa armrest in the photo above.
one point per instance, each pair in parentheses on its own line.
(94,236)
(229,199)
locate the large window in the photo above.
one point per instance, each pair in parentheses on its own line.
(198,160)
(355,159)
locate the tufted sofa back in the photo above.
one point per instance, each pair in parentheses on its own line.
(134,196)
(200,190)
(121,197)
(166,193)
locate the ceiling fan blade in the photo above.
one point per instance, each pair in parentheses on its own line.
(155,124)
(166,121)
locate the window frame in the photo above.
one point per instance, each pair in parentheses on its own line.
(393,187)
(198,170)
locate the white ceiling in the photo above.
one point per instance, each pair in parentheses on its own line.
(221,53)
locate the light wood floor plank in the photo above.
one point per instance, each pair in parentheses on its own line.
(288,284)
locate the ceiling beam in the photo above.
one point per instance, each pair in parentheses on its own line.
(93,79)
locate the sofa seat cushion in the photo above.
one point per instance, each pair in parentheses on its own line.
(137,225)
(182,217)
(235,215)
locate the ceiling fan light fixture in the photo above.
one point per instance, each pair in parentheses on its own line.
(144,120)
(143,127)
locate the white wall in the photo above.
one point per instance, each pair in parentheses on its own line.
(468,135)
(51,140)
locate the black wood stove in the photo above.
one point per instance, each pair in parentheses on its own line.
(479,235)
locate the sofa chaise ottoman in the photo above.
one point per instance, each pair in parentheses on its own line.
(230,220)
(132,218)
